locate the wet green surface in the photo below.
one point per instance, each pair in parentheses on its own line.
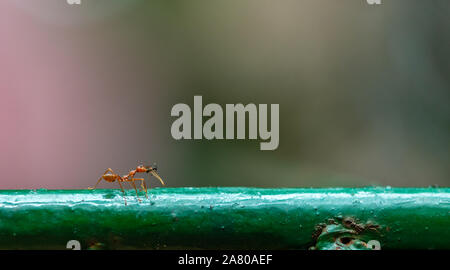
(220,218)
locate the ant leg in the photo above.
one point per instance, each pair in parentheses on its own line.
(123,191)
(134,186)
(142,182)
(143,185)
(108,170)
(97,183)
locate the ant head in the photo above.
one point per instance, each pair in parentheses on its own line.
(150,168)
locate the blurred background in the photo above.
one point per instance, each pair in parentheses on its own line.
(364,90)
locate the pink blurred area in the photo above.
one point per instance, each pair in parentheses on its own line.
(60,125)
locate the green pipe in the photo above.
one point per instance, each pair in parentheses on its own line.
(227,218)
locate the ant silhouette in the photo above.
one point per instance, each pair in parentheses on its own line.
(110,176)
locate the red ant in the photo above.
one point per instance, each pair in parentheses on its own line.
(110,176)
